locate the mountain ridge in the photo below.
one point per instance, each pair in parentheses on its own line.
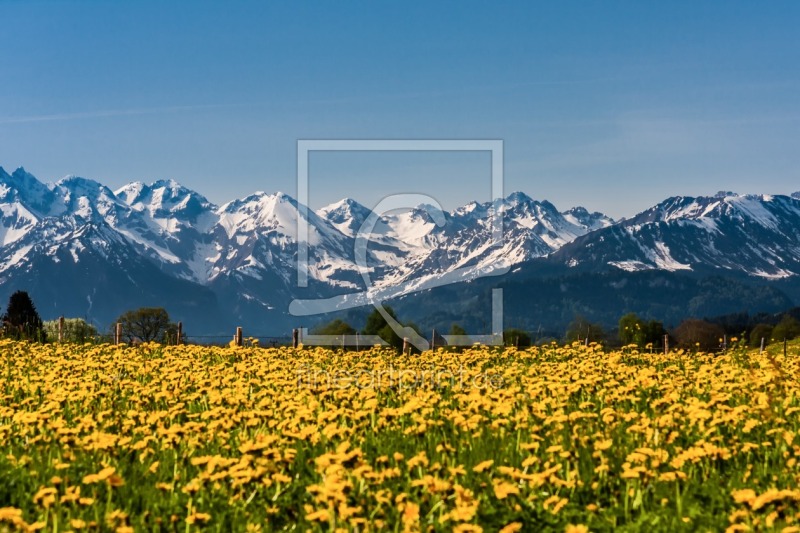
(243,255)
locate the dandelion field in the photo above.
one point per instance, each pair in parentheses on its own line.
(99,437)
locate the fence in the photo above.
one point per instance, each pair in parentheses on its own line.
(299,336)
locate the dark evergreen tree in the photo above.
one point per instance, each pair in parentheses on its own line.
(654,333)
(21,321)
(377,325)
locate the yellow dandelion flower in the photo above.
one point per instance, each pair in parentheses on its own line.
(195,518)
(580,528)
(102,475)
(503,489)
(480,467)
(322,515)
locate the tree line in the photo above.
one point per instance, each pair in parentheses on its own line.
(21,321)
(691,334)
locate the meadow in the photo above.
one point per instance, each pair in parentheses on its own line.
(570,438)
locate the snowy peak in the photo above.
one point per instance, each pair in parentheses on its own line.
(758,209)
(472,210)
(580,216)
(342,209)
(346,215)
(166,199)
(516,198)
(751,234)
(725,194)
(77,187)
(22,187)
(411,227)
(161,194)
(263,209)
(276,214)
(540,220)
(531,213)
(258,201)
(89,199)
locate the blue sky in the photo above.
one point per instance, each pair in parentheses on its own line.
(610,105)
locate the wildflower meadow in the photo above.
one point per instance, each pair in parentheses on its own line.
(554,438)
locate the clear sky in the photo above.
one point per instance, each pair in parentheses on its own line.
(610,105)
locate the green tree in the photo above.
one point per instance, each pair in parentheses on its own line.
(581,329)
(761,331)
(632,330)
(335,327)
(21,321)
(147,324)
(455,329)
(654,332)
(75,330)
(516,337)
(693,334)
(788,328)
(171,334)
(377,325)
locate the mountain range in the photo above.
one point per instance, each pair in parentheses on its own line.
(81,249)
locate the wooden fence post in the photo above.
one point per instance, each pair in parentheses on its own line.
(762,346)
(238,337)
(118,333)
(61,329)
(295,338)
(433,340)
(666,344)
(405,345)
(179,340)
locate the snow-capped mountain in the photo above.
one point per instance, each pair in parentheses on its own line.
(755,235)
(90,251)
(346,215)
(246,250)
(591,221)
(463,247)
